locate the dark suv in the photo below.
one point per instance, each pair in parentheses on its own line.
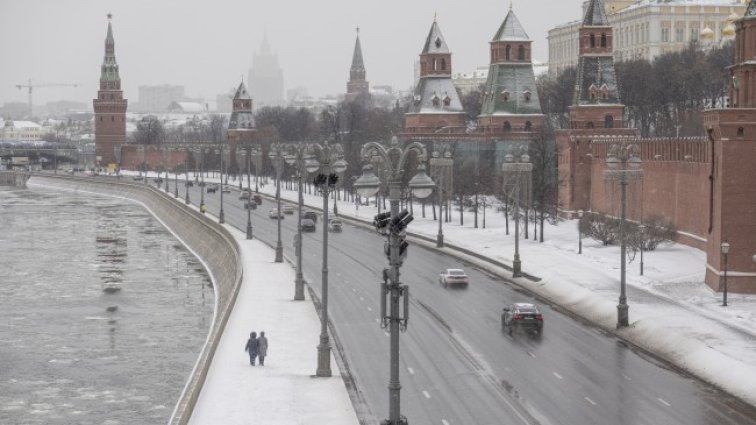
(312,215)
(523,316)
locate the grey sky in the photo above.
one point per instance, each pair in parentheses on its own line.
(207,45)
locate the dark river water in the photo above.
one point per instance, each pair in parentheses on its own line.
(102,311)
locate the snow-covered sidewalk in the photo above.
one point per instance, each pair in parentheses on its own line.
(284,391)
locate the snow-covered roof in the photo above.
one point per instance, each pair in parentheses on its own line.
(22,124)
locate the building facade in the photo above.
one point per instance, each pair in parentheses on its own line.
(157,98)
(21,131)
(109,107)
(266,81)
(646,29)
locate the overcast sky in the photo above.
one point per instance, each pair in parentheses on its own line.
(208,45)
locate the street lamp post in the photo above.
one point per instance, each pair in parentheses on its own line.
(298,157)
(393,225)
(642,231)
(221,216)
(441,163)
(514,171)
(329,160)
(625,154)
(249,201)
(580,233)
(276,154)
(186,176)
(203,207)
(725,250)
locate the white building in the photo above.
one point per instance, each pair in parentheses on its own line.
(22,131)
(648,28)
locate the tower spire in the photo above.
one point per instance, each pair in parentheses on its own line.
(357,83)
(109,70)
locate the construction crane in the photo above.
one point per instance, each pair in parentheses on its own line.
(31,87)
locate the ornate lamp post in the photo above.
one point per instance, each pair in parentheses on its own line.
(329,160)
(298,156)
(257,157)
(517,171)
(625,154)
(393,225)
(725,250)
(203,207)
(441,164)
(580,233)
(249,198)
(221,216)
(642,231)
(276,154)
(186,176)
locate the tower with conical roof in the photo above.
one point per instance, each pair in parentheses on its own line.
(732,132)
(241,126)
(357,83)
(435,107)
(510,100)
(109,107)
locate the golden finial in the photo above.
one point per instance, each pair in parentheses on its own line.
(434,16)
(110,16)
(510,5)
(358,31)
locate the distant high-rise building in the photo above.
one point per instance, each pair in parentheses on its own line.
(157,98)
(266,83)
(357,83)
(109,107)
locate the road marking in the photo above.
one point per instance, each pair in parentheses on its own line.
(626,377)
(370,309)
(444,422)
(425,393)
(557,375)
(531,354)
(411,371)
(590,401)
(663,402)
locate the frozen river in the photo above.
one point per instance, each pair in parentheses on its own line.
(72,353)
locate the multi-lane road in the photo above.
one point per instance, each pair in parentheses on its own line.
(459,367)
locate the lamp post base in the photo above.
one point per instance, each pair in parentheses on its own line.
(402,421)
(221,217)
(623,320)
(186,200)
(279,253)
(324,358)
(249,231)
(517,268)
(439,240)
(299,289)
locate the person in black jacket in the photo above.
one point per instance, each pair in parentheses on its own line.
(251,347)
(262,348)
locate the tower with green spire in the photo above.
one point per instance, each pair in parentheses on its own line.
(109,107)
(510,106)
(357,83)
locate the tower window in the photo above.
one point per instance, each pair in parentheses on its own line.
(603,39)
(521,53)
(593,91)
(604,90)
(438,42)
(528,126)
(443,64)
(593,40)
(608,121)
(112,118)
(589,124)
(526,95)
(740,131)
(447,100)
(507,127)
(505,95)
(507,52)
(436,101)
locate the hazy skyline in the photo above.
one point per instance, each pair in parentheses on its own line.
(208,46)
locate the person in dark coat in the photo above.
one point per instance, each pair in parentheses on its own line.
(252,347)
(262,348)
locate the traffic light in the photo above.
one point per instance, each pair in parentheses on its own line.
(380,221)
(401,221)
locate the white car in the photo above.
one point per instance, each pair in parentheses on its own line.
(453,277)
(287,209)
(273,213)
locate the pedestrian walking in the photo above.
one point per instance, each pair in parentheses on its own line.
(262,348)
(252,347)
